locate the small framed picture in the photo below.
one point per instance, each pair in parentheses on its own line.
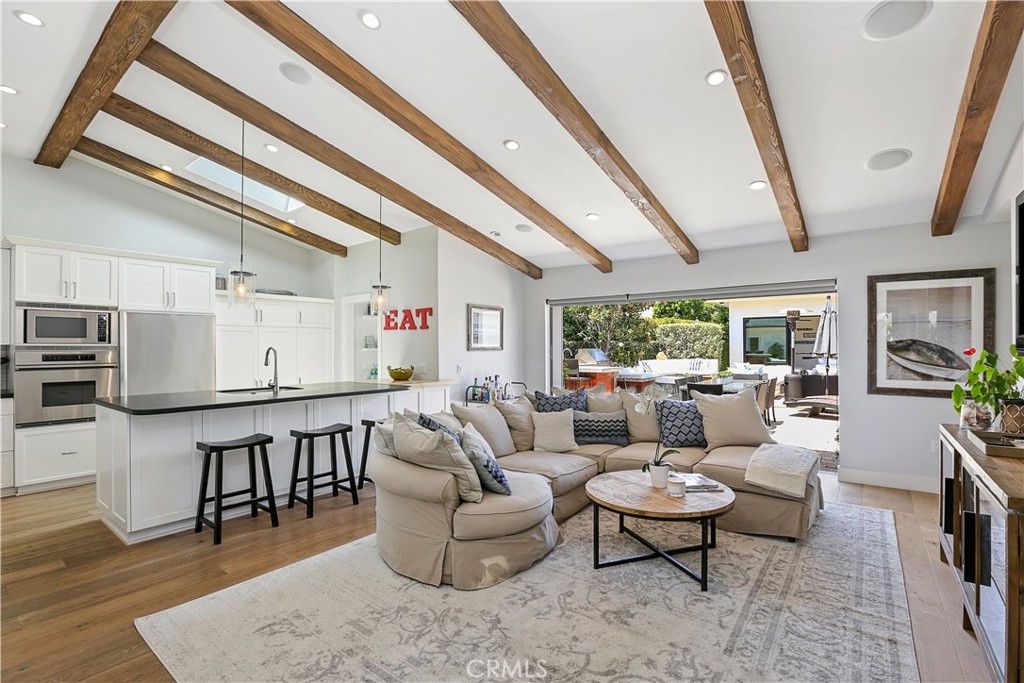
(485,328)
(369,342)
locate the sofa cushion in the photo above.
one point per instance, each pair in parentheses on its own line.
(633,457)
(553,432)
(732,420)
(597,452)
(491,425)
(642,426)
(607,428)
(497,515)
(728,465)
(520,424)
(476,448)
(437,451)
(681,424)
(575,400)
(564,471)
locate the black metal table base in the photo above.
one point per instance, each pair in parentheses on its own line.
(708,539)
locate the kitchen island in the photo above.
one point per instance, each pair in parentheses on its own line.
(148,469)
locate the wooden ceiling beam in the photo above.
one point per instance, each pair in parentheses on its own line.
(1000,32)
(137,167)
(735,35)
(165,129)
(131,25)
(294,32)
(176,68)
(501,32)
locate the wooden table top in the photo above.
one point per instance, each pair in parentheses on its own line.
(631,493)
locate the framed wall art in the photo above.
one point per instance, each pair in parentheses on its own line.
(485,328)
(920,324)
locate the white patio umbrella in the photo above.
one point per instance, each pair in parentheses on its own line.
(827,337)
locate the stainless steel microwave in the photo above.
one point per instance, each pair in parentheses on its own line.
(64,326)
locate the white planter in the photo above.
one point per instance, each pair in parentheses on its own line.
(659,475)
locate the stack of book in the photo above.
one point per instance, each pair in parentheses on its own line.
(697,483)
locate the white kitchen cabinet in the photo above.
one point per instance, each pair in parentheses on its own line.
(316,314)
(55,452)
(7,322)
(6,443)
(277,313)
(234,315)
(315,355)
(93,279)
(237,347)
(192,288)
(145,285)
(285,342)
(47,275)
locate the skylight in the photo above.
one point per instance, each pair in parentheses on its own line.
(253,190)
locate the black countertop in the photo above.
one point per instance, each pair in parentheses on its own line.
(158,404)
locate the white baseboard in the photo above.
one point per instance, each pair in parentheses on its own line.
(911,482)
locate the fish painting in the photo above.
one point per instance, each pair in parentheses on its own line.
(927,358)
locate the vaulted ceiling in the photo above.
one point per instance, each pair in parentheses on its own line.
(633,99)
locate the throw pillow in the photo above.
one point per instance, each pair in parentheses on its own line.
(559,391)
(552,432)
(520,425)
(437,451)
(492,477)
(384,437)
(446,419)
(576,400)
(433,425)
(603,403)
(642,426)
(491,425)
(731,420)
(603,428)
(681,424)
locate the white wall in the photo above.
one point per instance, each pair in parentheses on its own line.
(886,440)
(468,276)
(764,308)
(86,204)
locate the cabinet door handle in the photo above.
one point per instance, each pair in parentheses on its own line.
(74,291)
(174,299)
(165,300)
(300,317)
(64,289)
(69,453)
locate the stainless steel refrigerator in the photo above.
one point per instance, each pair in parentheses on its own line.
(164,353)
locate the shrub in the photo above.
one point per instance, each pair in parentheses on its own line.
(690,340)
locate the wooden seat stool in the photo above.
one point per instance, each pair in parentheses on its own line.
(214,451)
(368,426)
(309,436)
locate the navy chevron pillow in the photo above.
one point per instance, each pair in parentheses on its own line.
(433,425)
(680,423)
(604,428)
(547,403)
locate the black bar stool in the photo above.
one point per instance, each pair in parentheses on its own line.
(215,450)
(330,431)
(368,426)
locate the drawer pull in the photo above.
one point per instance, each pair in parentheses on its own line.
(70,453)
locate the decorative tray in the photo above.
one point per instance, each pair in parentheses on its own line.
(999,444)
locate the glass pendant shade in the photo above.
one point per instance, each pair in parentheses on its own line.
(242,285)
(380,297)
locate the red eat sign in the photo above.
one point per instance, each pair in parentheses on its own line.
(408,322)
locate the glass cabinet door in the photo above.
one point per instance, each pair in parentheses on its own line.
(990,578)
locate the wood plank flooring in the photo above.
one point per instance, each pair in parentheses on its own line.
(70,590)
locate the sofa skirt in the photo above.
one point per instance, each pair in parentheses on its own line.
(763,515)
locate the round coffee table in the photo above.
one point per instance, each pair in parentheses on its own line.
(630,495)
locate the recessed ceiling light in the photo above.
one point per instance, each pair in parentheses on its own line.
(8,89)
(894,17)
(523,227)
(716,77)
(758,185)
(511,145)
(888,159)
(292,221)
(270,148)
(30,19)
(166,168)
(495,233)
(295,73)
(593,217)
(369,19)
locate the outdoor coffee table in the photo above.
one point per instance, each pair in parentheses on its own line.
(630,495)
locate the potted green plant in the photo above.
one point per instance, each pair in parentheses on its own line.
(994,389)
(659,468)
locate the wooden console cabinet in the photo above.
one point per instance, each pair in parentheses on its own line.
(981,536)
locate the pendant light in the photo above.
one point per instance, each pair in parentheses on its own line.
(243,279)
(380,291)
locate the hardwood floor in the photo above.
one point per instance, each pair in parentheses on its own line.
(69,589)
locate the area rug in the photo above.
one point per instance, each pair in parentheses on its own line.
(831,608)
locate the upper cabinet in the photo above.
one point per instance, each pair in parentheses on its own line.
(163,286)
(316,314)
(193,289)
(47,275)
(276,313)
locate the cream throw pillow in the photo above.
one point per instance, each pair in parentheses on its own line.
(641,427)
(553,432)
(603,403)
(517,415)
(384,437)
(444,419)
(491,425)
(731,420)
(437,451)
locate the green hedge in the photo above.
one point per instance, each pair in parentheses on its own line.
(690,340)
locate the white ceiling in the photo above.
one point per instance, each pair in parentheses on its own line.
(638,67)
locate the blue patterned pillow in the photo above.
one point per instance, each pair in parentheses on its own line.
(604,428)
(680,423)
(492,477)
(433,425)
(546,403)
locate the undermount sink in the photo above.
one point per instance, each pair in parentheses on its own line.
(257,390)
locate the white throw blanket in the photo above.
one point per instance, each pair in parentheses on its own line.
(782,468)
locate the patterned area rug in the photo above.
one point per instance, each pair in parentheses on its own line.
(833,607)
